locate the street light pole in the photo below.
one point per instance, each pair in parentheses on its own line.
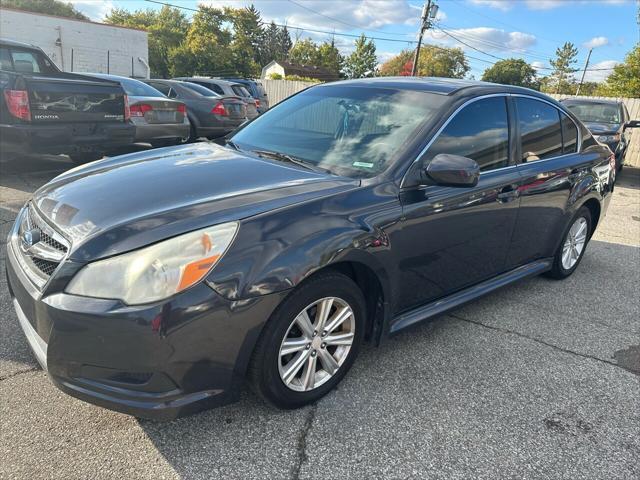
(429,12)
(584,71)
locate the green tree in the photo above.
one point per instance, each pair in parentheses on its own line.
(305,52)
(248,38)
(362,62)
(512,71)
(433,62)
(50,7)
(208,43)
(167,29)
(561,79)
(271,48)
(624,81)
(330,58)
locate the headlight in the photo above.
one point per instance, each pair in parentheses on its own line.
(158,271)
(609,138)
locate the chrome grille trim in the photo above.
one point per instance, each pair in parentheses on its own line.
(39,260)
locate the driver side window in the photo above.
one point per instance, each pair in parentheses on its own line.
(480,131)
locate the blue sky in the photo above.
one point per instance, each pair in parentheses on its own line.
(529,29)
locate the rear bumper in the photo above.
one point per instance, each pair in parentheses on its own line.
(65,138)
(159,361)
(149,133)
(214,132)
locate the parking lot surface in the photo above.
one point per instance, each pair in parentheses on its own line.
(538,380)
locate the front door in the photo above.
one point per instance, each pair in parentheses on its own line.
(454,237)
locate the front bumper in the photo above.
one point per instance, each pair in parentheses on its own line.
(158,361)
(65,138)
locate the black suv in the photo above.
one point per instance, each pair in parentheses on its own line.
(44,110)
(157,282)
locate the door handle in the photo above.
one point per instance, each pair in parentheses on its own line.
(507,194)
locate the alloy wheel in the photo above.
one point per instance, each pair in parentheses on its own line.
(317,343)
(574,243)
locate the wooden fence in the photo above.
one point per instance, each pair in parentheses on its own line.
(278,90)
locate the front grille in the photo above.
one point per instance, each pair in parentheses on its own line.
(39,248)
(45,266)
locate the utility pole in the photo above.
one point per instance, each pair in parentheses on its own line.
(583,72)
(429,12)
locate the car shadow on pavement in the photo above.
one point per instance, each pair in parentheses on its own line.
(516,383)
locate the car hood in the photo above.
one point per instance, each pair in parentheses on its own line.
(119,204)
(602,128)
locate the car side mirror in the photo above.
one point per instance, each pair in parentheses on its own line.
(632,124)
(453,170)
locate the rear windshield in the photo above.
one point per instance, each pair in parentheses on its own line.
(596,112)
(25,61)
(350,131)
(138,89)
(205,92)
(240,90)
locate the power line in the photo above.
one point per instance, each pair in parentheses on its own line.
(349,35)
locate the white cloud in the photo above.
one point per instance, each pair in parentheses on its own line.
(594,74)
(506,5)
(503,5)
(96,10)
(596,42)
(538,65)
(487,39)
(363,14)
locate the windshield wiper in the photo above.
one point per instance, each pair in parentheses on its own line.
(232,144)
(288,158)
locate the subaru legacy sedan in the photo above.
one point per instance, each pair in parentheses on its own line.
(157,283)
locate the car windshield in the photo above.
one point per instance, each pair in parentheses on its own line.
(596,112)
(135,88)
(240,90)
(352,131)
(205,92)
(25,61)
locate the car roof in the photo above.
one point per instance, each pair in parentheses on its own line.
(590,100)
(442,86)
(205,79)
(14,43)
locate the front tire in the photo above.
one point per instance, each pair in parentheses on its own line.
(573,245)
(310,341)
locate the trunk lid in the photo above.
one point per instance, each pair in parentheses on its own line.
(163,110)
(74,98)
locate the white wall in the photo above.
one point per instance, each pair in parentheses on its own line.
(89,41)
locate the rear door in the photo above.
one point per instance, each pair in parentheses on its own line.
(454,237)
(549,163)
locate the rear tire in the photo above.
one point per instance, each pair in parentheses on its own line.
(573,245)
(321,362)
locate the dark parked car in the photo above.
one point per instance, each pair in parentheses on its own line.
(43,110)
(256,89)
(608,120)
(227,89)
(210,115)
(155,283)
(158,120)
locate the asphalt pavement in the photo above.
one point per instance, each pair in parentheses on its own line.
(538,380)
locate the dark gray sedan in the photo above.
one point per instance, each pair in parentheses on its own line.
(226,88)
(158,119)
(211,115)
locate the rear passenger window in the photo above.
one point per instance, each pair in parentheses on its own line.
(569,135)
(161,87)
(540,129)
(479,131)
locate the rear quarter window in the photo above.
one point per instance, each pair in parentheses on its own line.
(569,135)
(540,130)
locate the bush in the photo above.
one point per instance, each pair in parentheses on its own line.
(275,76)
